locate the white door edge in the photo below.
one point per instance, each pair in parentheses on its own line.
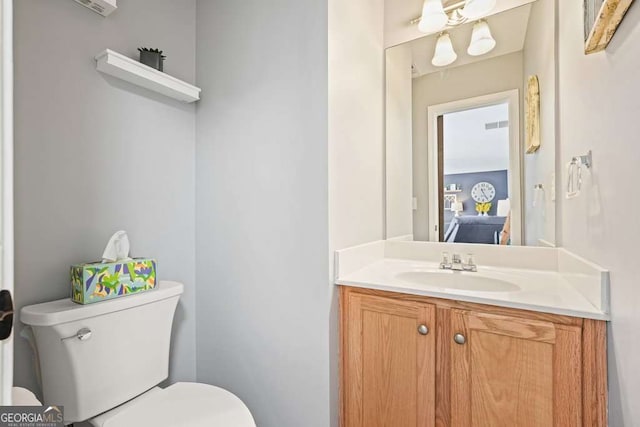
(6,184)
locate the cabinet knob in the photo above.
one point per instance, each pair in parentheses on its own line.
(459,339)
(423,330)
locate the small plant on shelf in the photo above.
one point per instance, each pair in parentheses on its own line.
(152,57)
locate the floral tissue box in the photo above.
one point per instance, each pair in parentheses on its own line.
(94,282)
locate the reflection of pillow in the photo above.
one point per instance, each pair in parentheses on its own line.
(504,206)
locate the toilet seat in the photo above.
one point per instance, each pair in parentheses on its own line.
(179,405)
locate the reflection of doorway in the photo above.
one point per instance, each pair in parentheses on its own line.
(474,163)
(473,146)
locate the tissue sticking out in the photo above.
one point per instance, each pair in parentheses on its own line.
(118,248)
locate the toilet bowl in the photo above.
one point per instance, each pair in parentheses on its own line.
(22,397)
(103,362)
(181,404)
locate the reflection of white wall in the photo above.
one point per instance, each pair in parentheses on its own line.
(539,59)
(469,147)
(399,142)
(481,78)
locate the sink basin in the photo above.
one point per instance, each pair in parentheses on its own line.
(459,280)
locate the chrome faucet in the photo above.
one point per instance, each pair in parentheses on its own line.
(457,264)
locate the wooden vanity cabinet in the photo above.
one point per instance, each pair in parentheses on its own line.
(390,362)
(505,371)
(476,365)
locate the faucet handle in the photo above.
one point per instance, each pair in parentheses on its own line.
(470,259)
(470,265)
(444,263)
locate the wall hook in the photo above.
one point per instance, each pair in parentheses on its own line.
(586,160)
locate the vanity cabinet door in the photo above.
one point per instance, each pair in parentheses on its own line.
(388,362)
(514,372)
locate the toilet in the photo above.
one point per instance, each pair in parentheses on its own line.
(103,362)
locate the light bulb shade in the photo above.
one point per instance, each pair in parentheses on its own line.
(457,206)
(444,54)
(482,41)
(433,17)
(474,9)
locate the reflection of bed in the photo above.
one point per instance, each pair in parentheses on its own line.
(475,229)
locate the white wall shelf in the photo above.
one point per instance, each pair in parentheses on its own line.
(132,71)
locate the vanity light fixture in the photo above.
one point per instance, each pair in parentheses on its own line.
(433,18)
(482,41)
(474,9)
(444,54)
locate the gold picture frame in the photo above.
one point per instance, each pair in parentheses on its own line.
(532,121)
(601,20)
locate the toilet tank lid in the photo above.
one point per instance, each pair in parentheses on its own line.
(65,310)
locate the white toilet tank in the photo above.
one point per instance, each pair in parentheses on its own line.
(95,357)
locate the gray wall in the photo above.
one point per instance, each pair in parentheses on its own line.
(262,207)
(94,155)
(599,110)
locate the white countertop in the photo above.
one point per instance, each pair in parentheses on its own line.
(575,292)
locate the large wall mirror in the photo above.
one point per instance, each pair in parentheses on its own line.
(470,121)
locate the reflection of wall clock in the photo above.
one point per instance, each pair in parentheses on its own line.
(483,192)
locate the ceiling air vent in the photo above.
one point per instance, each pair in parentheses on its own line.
(496,125)
(103,7)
